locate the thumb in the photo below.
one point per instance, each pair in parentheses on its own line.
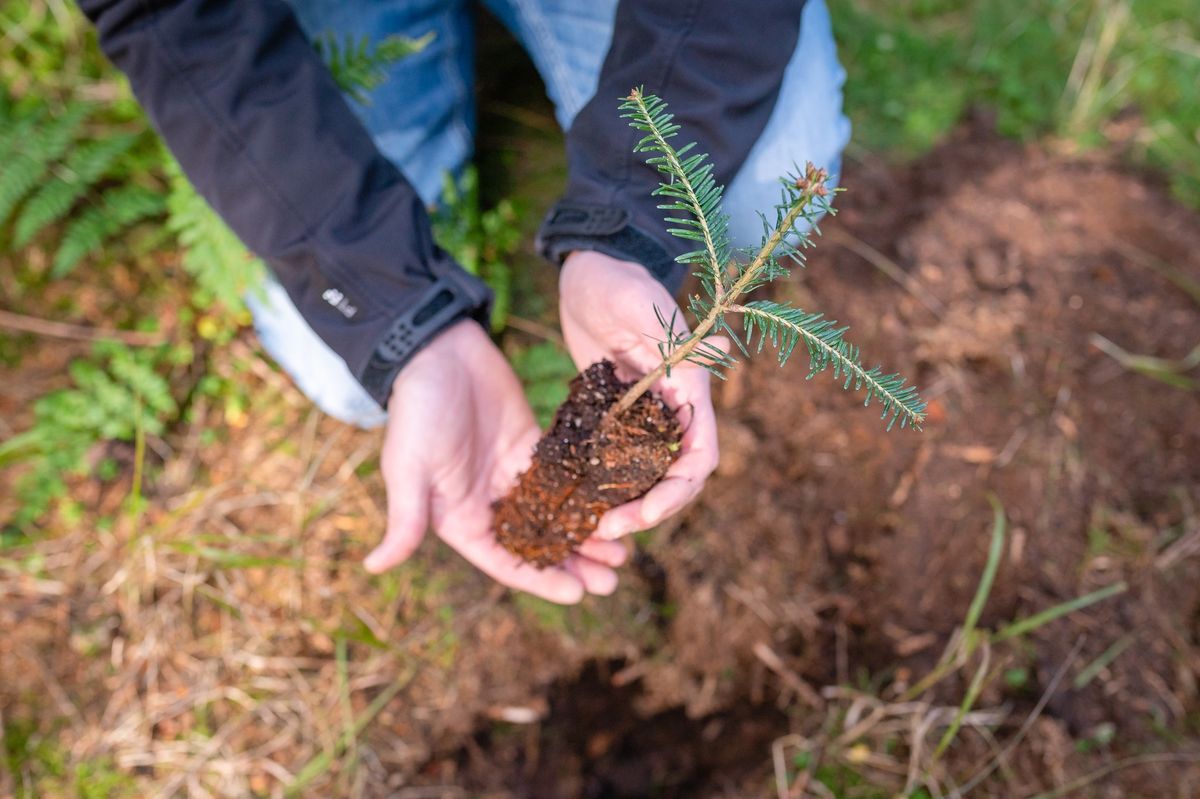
(407,520)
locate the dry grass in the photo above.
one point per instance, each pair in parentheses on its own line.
(225,641)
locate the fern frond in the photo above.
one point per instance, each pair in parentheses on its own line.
(482,242)
(117,210)
(785,327)
(85,165)
(690,185)
(47,205)
(358,67)
(29,149)
(15,131)
(114,391)
(215,257)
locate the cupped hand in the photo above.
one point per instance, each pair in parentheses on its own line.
(607,308)
(459,432)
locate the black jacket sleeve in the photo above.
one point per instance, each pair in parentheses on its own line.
(262,130)
(719,63)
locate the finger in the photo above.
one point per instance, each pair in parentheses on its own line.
(688,390)
(668,498)
(610,553)
(407,520)
(620,522)
(478,546)
(596,578)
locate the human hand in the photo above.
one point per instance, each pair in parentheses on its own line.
(607,311)
(459,431)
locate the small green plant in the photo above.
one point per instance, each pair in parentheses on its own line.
(359,66)
(693,200)
(618,456)
(57,171)
(544,369)
(222,267)
(115,397)
(482,241)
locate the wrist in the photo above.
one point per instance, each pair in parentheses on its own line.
(581,267)
(451,347)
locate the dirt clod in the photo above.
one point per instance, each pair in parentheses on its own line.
(586,464)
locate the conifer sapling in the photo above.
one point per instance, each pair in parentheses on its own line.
(610,442)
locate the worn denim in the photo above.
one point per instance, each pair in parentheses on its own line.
(422,118)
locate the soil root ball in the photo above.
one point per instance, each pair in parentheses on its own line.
(586,464)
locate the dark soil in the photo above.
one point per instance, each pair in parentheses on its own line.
(596,744)
(585,464)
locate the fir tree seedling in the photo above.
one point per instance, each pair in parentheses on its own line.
(693,203)
(611,442)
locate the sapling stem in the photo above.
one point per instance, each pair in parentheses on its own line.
(725,301)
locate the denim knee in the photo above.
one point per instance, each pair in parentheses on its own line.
(806,125)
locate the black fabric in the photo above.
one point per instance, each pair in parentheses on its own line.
(259,126)
(603,228)
(719,64)
(261,129)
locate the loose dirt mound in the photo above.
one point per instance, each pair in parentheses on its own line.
(202,648)
(846,551)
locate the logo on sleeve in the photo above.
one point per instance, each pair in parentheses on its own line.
(338,300)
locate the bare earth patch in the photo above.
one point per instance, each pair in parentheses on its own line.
(228,641)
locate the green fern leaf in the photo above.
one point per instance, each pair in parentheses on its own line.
(30,148)
(21,174)
(215,257)
(113,393)
(117,210)
(47,205)
(85,234)
(84,167)
(93,160)
(357,67)
(785,327)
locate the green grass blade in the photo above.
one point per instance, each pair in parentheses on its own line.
(995,552)
(973,691)
(1025,626)
(1106,658)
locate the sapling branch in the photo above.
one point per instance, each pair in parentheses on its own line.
(724,302)
(687,191)
(690,185)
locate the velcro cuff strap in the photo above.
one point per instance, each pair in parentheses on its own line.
(569,218)
(573,226)
(453,296)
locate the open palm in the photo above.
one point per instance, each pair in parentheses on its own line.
(459,432)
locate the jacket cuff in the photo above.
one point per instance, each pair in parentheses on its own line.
(572,225)
(453,296)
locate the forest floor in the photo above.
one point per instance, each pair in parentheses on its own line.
(227,637)
(222,639)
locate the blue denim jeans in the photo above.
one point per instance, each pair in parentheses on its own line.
(423,118)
